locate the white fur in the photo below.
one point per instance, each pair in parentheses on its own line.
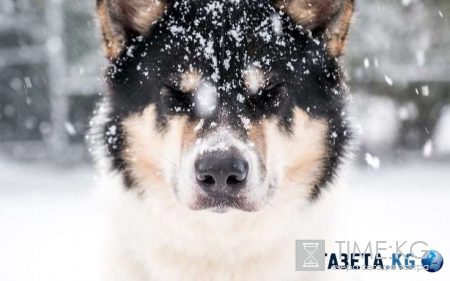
(153,237)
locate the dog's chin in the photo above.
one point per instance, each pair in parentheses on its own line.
(222,205)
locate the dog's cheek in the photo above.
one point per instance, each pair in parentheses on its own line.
(257,155)
(152,155)
(297,157)
(186,188)
(257,139)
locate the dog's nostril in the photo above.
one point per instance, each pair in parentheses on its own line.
(233,180)
(207,180)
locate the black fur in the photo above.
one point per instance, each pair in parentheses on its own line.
(153,63)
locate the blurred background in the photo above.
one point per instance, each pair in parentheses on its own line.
(398,63)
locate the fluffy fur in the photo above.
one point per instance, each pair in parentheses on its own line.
(192,78)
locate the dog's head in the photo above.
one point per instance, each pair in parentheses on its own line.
(226,104)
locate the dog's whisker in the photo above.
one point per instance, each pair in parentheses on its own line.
(167,159)
(157,153)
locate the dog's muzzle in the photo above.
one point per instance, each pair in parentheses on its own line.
(221,173)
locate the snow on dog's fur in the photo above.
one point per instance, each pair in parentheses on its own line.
(220,136)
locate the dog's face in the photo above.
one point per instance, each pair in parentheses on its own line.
(226,104)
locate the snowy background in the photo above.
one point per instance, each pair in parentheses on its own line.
(50,63)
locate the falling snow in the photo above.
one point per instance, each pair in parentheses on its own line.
(372,161)
(427,149)
(49,83)
(388,80)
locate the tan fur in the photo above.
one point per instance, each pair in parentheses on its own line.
(257,136)
(190,81)
(310,140)
(337,35)
(140,14)
(118,15)
(189,135)
(150,151)
(113,34)
(334,14)
(253,80)
(301,153)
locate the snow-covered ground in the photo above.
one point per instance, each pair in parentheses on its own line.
(48,230)
(46,227)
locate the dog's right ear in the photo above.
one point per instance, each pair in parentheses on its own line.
(334,16)
(119,18)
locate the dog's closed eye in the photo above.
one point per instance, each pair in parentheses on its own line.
(271,86)
(174,99)
(269,99)
(172,89)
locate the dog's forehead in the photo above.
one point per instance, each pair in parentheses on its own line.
(217,15)
(216,37)
(238,58)
(229,45)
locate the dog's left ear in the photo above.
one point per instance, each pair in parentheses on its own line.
(120,18)
(333,16)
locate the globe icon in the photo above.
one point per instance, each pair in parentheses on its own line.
(433,261)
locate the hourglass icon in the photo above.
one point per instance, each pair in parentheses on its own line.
(310,261)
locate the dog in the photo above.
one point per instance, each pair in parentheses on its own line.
(223,128)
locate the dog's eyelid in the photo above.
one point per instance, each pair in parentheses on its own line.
(272,81)
(173,88)
(269,86)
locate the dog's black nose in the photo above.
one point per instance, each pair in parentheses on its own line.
(221,174)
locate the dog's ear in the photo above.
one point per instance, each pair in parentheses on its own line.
(333,16)
(119,18)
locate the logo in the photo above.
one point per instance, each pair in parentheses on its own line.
(376,255)
(432,262)
(310,255)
